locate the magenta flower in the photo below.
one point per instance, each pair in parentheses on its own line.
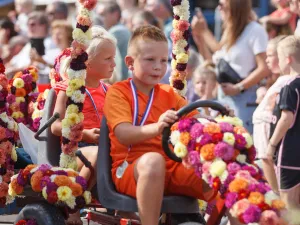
(184,125)
(252,214)
(27,78)
(10,99)
(233,168)
(231,199)
(205,139)
(191,146)
(226,127)
(193,158)
(45,181)
(36,123)
(51,187)
(224,151)
(80,180)
(196,130)
(250,169)
(240,141)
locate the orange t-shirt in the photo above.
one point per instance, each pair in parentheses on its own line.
(118,108)
(90,115)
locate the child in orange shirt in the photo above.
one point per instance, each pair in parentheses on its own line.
(100,65)
(137,111)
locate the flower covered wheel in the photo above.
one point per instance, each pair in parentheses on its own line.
(222,154)
(43,213)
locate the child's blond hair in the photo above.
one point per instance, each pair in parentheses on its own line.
(275,41)
(99,37)
(290,46)
(205,70)
(147,32)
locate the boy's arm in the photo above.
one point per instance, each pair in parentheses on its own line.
(128,134)
(284,19)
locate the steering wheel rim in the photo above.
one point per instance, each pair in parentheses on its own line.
(183,111)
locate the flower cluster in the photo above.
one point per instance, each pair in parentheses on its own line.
(8,137)
(180,36)
(36,109)
(55,74)
(21,89)
(72,123)
(27,222)
(62,187)
(222,154)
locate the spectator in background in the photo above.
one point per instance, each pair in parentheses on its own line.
(163,10)
(143,17)
(61,33)
(57,11)
(37,29)
(249,64)
(23,9)
(15,45)
(295,8)
(127,4)
(277,30)
(282,15)
(111,17)
(7,31)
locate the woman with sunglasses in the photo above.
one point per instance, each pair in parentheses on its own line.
(242,52)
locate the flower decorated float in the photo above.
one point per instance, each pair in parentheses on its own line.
(62,186)
(8,137)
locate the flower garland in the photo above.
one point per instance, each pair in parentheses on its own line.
(222,153)
(180,36)
(8,137)
(62,187)
(36,110)
(22,89)
(72,123)
(27,222)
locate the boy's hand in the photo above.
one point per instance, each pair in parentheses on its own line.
(166,119)
(91,135)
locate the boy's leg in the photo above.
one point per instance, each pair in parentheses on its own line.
(149,173)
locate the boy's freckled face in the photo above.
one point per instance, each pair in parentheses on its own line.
(150,62)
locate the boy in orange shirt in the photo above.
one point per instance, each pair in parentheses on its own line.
(137,111)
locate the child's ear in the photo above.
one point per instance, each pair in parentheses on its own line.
(129,60)
(289,60)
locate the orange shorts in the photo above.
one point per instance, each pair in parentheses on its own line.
(178,181)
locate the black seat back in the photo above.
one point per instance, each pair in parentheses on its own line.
(49,148)
(108,196)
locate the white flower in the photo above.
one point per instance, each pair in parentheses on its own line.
(224,176)
(87,197)
(9,199)
(248,139)
(71,202)
(203,121)
(45,94)
(270,196)
(241,158)
(174,138)
(217,168)
(180,150)
(44,193)
(182,10)
(72,179)
(73,74)
(68,161)
(4,117)
(11,124)
(20,99)
(14,155)
(78,97)
(66,132)
(84,12)
(52,178)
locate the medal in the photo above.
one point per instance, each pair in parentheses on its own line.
(121,169)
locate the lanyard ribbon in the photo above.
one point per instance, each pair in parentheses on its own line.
(135,121)
(92,100)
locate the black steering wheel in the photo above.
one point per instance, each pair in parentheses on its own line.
(183,111)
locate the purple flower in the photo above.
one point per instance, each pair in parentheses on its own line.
(196,130)
(51,187)
(44,168)
(231,198)
(233,168)
(23,107)
(184,125)
(20,179)
(45,181)
(41,104)
(198,170)
(9,133)
(194,158)
(10,98)
(205,139)
(80,202)
(191,145)
(27,78)
(224,151)
(2,96)
(61,172)
(250,169)
(240,141)
(252,214)
(260,187)
(175,2)
(80,180)
(226,127)
(36,123)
